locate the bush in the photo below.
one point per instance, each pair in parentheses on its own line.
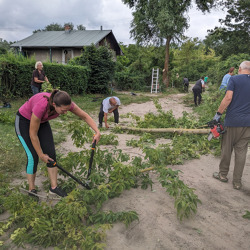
(101,67)
(127,81)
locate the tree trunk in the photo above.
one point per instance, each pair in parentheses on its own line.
(165,76)
(167,130)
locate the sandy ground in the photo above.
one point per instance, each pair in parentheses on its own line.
(218,223)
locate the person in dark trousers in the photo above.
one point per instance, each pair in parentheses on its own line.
(185,84)
(38,77)
(109,105)
(197,90)
(34,132)
(237,125)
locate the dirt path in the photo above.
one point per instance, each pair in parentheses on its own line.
(218,223)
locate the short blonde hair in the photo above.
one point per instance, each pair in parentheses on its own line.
(38,62)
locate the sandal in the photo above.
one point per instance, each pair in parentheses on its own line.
(237,185)
(218,176)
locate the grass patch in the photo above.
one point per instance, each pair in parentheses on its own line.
(12,156)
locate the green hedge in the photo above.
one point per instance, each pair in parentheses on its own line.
(73,79)
(126,81)
(15,77)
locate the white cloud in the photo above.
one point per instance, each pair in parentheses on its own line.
(20,18)
(200,23)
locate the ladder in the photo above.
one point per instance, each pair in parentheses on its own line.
(155,81)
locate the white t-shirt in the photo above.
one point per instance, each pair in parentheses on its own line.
(107,106)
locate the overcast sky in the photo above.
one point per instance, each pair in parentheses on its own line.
(18,18)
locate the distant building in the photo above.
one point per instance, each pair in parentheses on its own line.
(61,46)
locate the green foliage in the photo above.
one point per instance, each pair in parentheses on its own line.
(62,225)
(146,138)
(246,215)
(192,60)
(164,119)
(81,133)
(234,36)
(222,67)
(47,87)
(111,217)
(134,68)
(7,117)
(153,21)
(72,79)
(101,65)
(4,47)
(109,139)
(12,157)
(186,201)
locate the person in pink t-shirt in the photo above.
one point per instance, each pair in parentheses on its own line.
(34,132)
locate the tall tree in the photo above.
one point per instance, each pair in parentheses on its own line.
(162,21)
(159,21)
(234,36)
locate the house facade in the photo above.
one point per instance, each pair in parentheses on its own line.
(61,46)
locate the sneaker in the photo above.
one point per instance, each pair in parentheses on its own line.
(57,191)
(33,193)
(100,125)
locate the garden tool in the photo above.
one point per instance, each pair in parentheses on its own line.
(54,164)
(91,158)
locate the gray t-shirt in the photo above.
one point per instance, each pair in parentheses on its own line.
(238,111)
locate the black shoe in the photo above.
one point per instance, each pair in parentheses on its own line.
(33,193)
(57,191)
(100,125)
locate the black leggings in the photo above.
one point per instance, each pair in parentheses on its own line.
(22,126)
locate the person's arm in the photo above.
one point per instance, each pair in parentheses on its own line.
(34,127)
(106,120)
(203,84)
(37,80)
(226,101)
(111,110)
(84,116)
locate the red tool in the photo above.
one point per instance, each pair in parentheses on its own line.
(216,129)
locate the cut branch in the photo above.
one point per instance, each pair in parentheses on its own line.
(167,130)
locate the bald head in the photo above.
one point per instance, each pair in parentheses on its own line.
(112,101)
(244,67)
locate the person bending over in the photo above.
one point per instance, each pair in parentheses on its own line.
(34,132)
(109,105)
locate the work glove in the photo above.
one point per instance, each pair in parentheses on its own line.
(217,117)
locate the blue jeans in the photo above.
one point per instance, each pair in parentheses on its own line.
(35,90)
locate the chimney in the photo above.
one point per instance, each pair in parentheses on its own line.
(101,27)
(66,28)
